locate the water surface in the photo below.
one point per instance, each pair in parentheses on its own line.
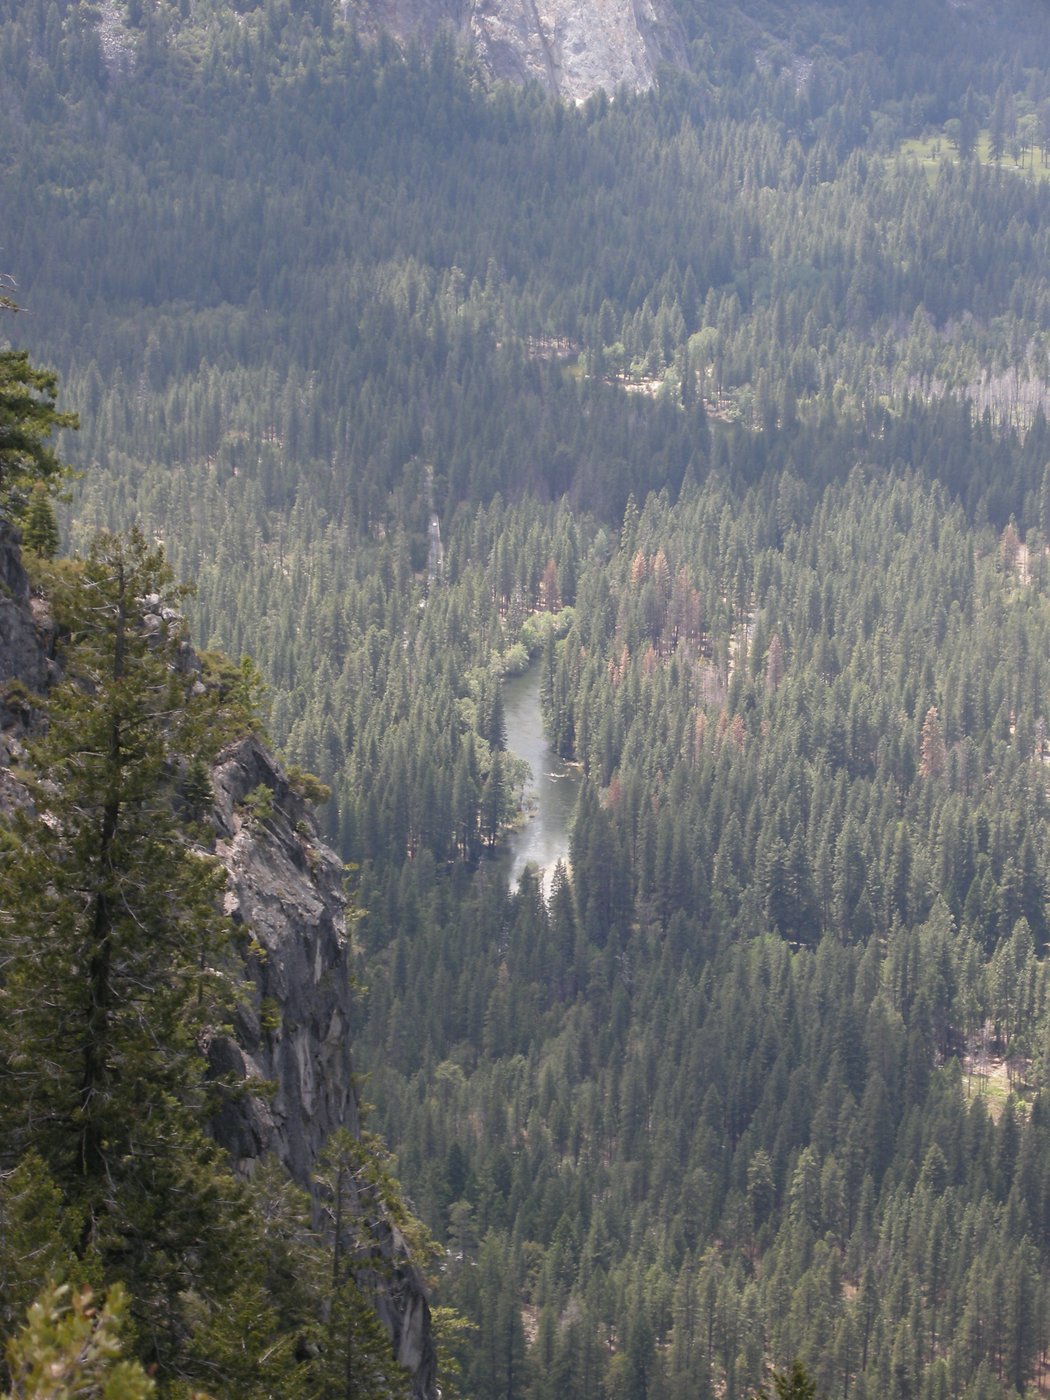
(550,796)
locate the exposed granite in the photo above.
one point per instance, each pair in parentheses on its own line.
(572,48)
(285,885)
(292,1034)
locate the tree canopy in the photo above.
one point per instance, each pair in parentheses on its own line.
(29,417)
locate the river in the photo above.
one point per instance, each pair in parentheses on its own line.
(543,838)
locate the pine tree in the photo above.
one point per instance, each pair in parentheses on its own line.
(39,527)
(70,1349)
(112,937)
(28,418)
(775,663)
(37,1239)
(358,1196)
(793,1384)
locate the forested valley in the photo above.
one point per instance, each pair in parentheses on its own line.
(730,412)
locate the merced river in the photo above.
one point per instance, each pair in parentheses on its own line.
(550,796)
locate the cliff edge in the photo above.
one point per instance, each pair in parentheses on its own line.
(293,1031)
(284,885)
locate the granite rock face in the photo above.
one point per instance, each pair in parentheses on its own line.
(572,48)
(285,886)
(293,1031)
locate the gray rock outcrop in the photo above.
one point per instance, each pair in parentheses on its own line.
(572,48)
(293,1030)
(285,887)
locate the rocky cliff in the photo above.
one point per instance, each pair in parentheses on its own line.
(293,1031)
(572,48)
(284,886)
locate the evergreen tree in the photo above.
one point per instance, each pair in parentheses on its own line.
(793,1384)
(357,1197)
(71,1349)
(39,526)
(28,418)
(114,952)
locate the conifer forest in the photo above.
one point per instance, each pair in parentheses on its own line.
(721,408)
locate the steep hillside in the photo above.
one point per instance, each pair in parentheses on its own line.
(287,1069)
